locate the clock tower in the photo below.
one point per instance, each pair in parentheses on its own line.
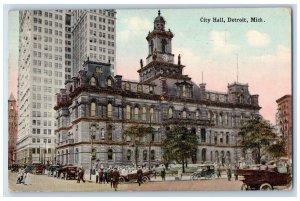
(160,42)
(160,60)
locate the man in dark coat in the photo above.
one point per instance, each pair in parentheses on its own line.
(80,175)
(115,178)
(140,176)
(163,174)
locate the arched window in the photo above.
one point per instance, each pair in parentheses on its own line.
(128,155)
(222,157)
(152,155)
(136,113)
(203,135)
(93,109)
(110,154)
(193,130)
(151,47)
(109,110)
(151,114)
(62,157)
(163,45)
(217,156)
(170,113)
(227,139)
(67,157)
(57,159)
(150,89)
(109,82)
(76,155)
(145,153)
(220,119)
(128,108)
(184,114)
(144,114)
(109,132)
(226,119)
(93,81)
(183,91)
(228,157)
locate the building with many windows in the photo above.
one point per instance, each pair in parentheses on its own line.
(95,108)
(284,122)
(47,52)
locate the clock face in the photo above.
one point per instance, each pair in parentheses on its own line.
(165,57)
(99,70)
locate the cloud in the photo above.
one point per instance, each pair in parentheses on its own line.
(219,41)
(134,26)
(257,39)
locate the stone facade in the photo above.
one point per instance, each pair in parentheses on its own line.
(95,108)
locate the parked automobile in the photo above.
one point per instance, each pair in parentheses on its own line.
(69,172)
(264,179)
(132,177)
(206,171)
(14,168)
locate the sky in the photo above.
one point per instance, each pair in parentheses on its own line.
(261,50)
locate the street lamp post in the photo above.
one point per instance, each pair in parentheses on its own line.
(150,139)
(92,133)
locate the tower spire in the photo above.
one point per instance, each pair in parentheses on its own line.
(158,12)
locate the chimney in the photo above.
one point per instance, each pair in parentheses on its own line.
(118,81)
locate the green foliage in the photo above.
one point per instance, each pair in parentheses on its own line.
(257,134)
(277,150)
(179,145)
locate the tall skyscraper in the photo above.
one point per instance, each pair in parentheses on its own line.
(94,37)
(49,45)
(284,122)
(12,128)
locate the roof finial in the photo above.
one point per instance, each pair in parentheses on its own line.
(159,12)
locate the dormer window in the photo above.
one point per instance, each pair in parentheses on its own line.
(93,81)
(150,89)
(184,114)
(109,82)
(127,86)
(139,88)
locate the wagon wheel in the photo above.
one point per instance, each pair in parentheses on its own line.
(244,187)
(145,179)
(121,179)
(265,187)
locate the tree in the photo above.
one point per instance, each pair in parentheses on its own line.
(277,149)
(179,145)
(136,133)
(257,135)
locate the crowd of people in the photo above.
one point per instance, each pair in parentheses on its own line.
(24,176)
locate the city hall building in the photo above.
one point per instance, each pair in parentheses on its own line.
(95,109)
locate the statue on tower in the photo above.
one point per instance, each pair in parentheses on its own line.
(154,54)
(179,59)
(141,63)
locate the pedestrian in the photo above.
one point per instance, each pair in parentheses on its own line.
(101,175)
(218,171)
(27,180)
(115,178)
(140,176)
(20,176)
(111,177)
(235,172)
(106,175)
(229,173)
(80,175)
(163,174)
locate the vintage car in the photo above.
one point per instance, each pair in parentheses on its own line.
(132,177)
(206,171)
(263,179)
(14,168)
(68,172)
(37,168)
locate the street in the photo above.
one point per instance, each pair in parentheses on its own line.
(43,183)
